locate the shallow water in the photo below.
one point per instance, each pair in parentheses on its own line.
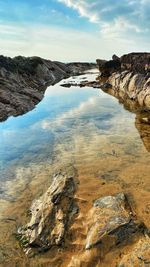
(63,115)
(83,127)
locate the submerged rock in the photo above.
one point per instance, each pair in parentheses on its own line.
(50,216)
(112,225)
(111,221)
(139,256)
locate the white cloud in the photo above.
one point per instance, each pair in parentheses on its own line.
(118,18)
(117,27)
(84,9)
(83,109)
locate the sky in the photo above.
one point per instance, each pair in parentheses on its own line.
(74,30)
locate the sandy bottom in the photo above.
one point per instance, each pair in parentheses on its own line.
(105,165)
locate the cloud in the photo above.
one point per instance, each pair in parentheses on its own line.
(119,27)
(83,7)
(58,33)
(57,43)
(115,17)
(83,109)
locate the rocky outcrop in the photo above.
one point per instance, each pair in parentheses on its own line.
(51,216)
(136,62)
(131,85)
(130,79)
(108,67)
(23,81)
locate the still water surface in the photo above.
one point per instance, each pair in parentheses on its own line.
(65,114)
(84,127)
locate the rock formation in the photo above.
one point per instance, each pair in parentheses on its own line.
(136,62)
(129,76)
(50,216)
(23,81)
(108,67)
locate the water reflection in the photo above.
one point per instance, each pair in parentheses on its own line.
(142,118)
(142,123)
(64,119)
(84,128)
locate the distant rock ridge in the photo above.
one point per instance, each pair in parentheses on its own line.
(129,76)
(23,81)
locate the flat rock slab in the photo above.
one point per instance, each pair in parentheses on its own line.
(111,222)
(50,216)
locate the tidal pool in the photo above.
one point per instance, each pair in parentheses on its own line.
(82,127)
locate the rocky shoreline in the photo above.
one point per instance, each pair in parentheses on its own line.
(128,76)
(23,81)
(110,223)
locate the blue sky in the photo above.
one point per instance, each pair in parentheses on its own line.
(73,30)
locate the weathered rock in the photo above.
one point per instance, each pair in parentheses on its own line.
(110,221)
(23,81)
(133,62)
(132,86)
(108,67)
(129,75)
(136,62)
(115,57)
(50,216)
(139,256)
